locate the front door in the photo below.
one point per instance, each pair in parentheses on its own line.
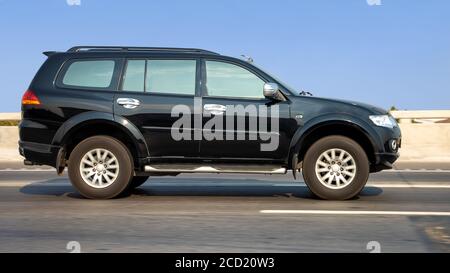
(252,127)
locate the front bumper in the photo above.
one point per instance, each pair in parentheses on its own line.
(384,161)
(387,150)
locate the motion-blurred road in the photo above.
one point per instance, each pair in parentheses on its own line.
(405,210)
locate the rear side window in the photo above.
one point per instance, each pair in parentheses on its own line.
(89,73)
(160,76)
(134,76)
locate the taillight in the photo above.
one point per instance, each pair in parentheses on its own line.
(29,98)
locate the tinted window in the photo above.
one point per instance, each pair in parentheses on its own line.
(162,76)
(229,80)
(171,76)
(97,74)
(133,79)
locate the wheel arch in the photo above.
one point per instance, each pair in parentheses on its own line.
(88,124)
(324,126)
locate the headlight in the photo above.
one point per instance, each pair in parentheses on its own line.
(384,121)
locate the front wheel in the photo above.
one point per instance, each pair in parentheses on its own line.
(100,167)
(336,167)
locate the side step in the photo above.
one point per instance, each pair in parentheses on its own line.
(216,168)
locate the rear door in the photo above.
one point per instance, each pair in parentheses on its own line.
(149,90)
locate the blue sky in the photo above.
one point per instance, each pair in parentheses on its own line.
(397,53)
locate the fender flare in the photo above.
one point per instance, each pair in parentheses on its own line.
(92,117)
(311,125)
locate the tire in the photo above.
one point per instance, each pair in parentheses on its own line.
(137,181)
(113,179)
(317,169)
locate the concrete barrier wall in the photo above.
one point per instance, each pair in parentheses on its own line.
(10,116)
(425,141)
(430,142)
(9,136)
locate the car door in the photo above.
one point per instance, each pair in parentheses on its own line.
(234,93)
(149,90)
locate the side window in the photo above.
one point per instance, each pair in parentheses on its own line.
(89,73)
(171,76)
(160,76)
(229,80)
(133,79)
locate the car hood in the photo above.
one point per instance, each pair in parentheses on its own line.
(369,107)
(375,110)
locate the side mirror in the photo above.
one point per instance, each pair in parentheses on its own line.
(270,90)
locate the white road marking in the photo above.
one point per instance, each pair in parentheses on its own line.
(27,170)
(35,184)
(359,212)
(227,184)
(418,186)
(415,171)
(384,171)
(382,185)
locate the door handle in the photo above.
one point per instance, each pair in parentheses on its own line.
(215,109)
(128,103)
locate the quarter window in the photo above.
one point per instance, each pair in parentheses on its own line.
(95,73)
(229,80)
(133,79)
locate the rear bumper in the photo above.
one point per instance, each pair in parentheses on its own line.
(38,153)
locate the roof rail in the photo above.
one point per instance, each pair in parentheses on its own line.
(135,48)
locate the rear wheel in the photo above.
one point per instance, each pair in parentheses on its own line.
(100,167)
(336,167)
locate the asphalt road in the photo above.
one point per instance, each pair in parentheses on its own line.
(402,210)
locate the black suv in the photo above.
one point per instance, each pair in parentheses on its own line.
(117,115)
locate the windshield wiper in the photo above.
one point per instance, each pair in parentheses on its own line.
(306,93)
